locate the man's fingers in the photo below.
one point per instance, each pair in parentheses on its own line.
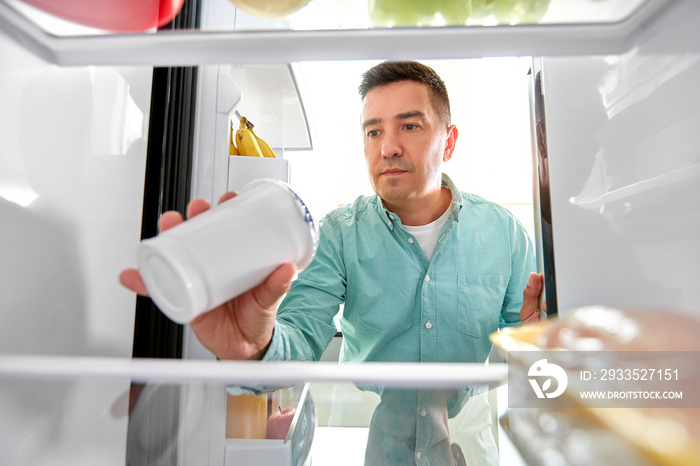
(530,310)
(199,205)
(277,284)
(533,288)
(196,207)
(131,279)
(169,219)
(228,195)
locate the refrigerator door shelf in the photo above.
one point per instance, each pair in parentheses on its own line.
(263,452)
(242,170)
(274,102)
(293,450)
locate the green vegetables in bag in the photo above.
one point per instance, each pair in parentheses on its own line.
(396,13)
(509,11)
(419,12)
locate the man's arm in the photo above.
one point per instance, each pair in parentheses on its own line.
(305,318)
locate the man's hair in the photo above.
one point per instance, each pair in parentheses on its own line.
(389,72)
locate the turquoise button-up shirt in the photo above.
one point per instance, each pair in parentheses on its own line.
(398,306)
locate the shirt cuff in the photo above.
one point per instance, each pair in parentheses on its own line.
(275,352)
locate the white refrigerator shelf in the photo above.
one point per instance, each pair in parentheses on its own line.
(192,47)
(409,375)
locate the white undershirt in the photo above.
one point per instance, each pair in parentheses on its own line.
(427,235)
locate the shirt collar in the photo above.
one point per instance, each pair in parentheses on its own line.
(447,182)
(457,200)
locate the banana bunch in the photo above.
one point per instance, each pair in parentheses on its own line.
(245,142)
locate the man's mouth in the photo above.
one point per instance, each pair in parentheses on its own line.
(393,171)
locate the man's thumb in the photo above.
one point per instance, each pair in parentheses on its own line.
(277,284)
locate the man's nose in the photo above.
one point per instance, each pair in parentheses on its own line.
(391,146)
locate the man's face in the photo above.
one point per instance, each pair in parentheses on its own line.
(405,142)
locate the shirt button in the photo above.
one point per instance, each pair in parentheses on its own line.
(391,216)
(388,223)
(410,240)
(427,278)
(418,455)
(424,413)
(428,325)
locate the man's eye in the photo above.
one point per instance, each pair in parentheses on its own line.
(410,126)
(372,133)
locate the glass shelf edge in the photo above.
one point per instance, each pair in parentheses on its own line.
(191,48)
(414,375)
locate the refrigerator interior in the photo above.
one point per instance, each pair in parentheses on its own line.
(623,163)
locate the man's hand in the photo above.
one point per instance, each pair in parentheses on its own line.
(530,311)
(240,328)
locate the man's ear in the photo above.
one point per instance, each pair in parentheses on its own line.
(450,143)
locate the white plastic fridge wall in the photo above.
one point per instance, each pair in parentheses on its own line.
(72,160)
(624,161)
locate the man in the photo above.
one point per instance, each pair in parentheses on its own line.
(425,272)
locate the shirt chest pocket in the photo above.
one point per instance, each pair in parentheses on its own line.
(480,299)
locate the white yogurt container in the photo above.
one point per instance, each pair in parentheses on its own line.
(223,252)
